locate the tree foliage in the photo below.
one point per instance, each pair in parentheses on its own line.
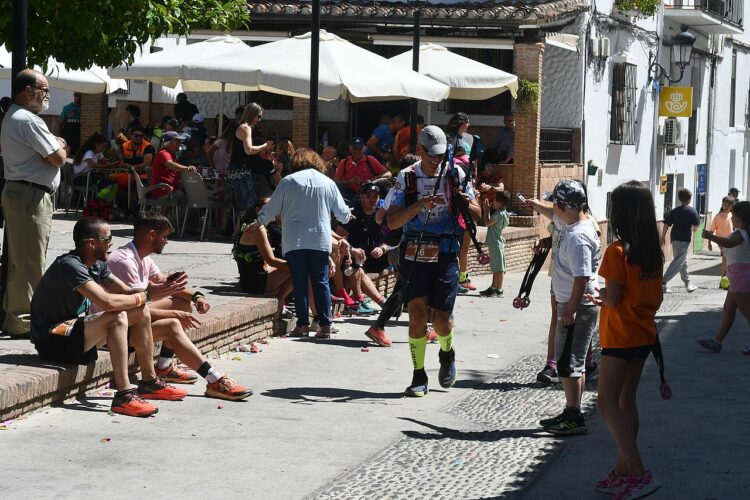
(79,33)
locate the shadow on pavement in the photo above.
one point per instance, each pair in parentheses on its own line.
(228,290)
(483,436)
(309,395)
(334,341)
(84,403)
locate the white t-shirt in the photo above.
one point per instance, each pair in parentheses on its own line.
(83,168)
(578,255)
(741,253)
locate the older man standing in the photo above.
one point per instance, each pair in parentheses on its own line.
(33,157)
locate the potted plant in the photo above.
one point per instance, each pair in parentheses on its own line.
(527,97)
(637,8)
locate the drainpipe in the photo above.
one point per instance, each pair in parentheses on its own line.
(583,108)
(710,124)
(655,164)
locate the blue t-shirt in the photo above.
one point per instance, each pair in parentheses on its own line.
(441,220)
(385,140)
(682,219)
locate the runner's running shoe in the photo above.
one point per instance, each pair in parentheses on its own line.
(638,487)
(710,345)
(131,404)
(173,374)
(548,375)
(158,389)
(418,387)
(226,388)
(378,336)
(447,373)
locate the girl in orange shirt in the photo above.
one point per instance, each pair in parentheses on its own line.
(721,225)
(632,270)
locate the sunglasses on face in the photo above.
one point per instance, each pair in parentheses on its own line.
(108,239)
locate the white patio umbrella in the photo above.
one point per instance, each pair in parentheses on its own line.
(467,79)
(91,81)
(346,70)
(169,66)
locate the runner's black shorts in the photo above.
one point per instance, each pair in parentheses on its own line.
(69,350)
(438,281)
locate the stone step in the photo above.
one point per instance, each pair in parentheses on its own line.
(33,383)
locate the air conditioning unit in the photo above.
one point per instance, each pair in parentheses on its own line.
(672,133)
(604,47)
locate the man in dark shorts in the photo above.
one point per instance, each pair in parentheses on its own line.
(367,247)
(63,332)
(429,253)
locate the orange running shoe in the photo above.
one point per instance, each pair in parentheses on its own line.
(131,404)
(174,375)
(467,284)
(226,388)
(158,389)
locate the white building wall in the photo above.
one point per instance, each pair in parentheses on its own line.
(617,163)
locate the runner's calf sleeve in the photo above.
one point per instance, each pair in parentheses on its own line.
(446,343)
(418,348)
(388,309)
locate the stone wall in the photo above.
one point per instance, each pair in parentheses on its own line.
(552,173)
(33,383)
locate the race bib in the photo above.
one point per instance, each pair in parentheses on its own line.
(427,251)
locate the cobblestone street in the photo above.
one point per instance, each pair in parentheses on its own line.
(328,420)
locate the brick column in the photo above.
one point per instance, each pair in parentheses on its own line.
(526,175)
(93,115)
(300,122)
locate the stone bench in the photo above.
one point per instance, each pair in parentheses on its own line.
(33,383)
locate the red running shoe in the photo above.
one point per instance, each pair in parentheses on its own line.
(378,336)
(226,388)
(158,389)
(467,284)
(131,404)
(176,375)
(431,335)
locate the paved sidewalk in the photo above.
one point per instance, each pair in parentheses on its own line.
(208,263)
(328,419)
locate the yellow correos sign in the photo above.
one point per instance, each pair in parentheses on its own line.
(676,102)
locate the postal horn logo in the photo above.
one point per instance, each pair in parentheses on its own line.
(676,103)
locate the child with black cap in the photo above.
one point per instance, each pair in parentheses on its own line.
(574,284)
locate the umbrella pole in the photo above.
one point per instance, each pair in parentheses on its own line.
(314,67)
(221,111)
(415,67)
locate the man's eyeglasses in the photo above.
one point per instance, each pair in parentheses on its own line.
(44,90)
(108,239)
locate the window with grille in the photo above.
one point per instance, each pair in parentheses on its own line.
(624,95)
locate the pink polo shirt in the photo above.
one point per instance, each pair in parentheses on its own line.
(127,265)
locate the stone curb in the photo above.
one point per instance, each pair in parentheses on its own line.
(34,383)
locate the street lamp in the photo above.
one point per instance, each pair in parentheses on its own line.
(682,49)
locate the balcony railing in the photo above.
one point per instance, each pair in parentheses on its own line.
(556,145)
(730,11)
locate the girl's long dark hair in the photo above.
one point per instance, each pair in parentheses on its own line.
(633,221)
(93,140)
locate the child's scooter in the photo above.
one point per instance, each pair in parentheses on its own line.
(523,300)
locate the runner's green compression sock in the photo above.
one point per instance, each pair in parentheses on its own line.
(446,343)
(418,348)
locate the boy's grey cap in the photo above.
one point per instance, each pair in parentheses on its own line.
(569,194)
(433,140)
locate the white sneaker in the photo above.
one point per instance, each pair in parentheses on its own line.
(665,289)
(691,288)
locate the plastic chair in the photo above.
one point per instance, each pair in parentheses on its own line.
(68,181)
(199,196)
(165,201)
